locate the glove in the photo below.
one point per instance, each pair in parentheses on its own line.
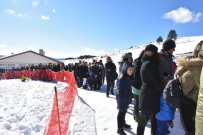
(170,123)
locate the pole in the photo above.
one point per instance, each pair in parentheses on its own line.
(57,107)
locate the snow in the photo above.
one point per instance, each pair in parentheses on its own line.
(183,45)
(25,108)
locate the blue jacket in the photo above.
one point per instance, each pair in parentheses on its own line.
(124,92)
(166,112)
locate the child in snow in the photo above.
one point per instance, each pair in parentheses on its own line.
(166,114)
(124,96)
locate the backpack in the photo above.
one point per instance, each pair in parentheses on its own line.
(172,93)
(137,81)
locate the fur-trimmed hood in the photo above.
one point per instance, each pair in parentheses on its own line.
(189,61)
(184,63)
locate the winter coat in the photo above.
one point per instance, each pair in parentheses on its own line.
(110,69)
(199,110)
(124,92)
(166,112)
(166,65)
(84,71)
(137,82)
(94,73)
(151,86)
(189,70)
(120,66)
(78,71)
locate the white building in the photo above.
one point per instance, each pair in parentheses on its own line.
(24,59)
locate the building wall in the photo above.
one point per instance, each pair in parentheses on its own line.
(24,59)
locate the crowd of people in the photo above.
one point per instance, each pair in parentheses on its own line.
(152,71)
(40,66)
(144,79)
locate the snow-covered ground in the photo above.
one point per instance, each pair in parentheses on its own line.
(25,107)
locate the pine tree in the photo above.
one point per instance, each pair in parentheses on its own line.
(172,35)
(159,39)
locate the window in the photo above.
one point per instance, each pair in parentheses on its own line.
(3,66)
(10,66)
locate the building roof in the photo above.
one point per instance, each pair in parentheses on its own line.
(37,55)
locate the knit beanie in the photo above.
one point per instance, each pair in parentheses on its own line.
(168,45)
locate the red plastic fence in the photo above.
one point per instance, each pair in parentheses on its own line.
(65,98)
(16,74)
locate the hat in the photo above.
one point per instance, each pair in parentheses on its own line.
(168,45)
(125,56)
(125,66)
(151,47)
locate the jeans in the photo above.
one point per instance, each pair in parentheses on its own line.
(162,127)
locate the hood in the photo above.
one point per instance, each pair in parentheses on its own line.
(125,66)
(184,63)
(189,62)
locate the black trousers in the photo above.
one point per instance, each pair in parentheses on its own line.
(121,119)
(187,115)
(143,118)
(136,105)
(110,85)
(79,81)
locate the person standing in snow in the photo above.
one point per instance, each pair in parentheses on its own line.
(127,57)
(189,70)
(150,90)
(166,115)
(124,96)
(199,110)
(166,58)
(110,69)
(166,70)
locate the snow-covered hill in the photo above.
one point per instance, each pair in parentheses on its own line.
(183,45)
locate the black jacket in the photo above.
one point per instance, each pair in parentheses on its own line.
(151,85)
(110,69)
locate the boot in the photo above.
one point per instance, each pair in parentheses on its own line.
(107,94)
(112,92)
(120,131)
(126,126)
(140,130)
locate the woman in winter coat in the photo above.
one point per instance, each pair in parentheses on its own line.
(110,69)
(124,96)
(199,111)
(189,70)
(150,89)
